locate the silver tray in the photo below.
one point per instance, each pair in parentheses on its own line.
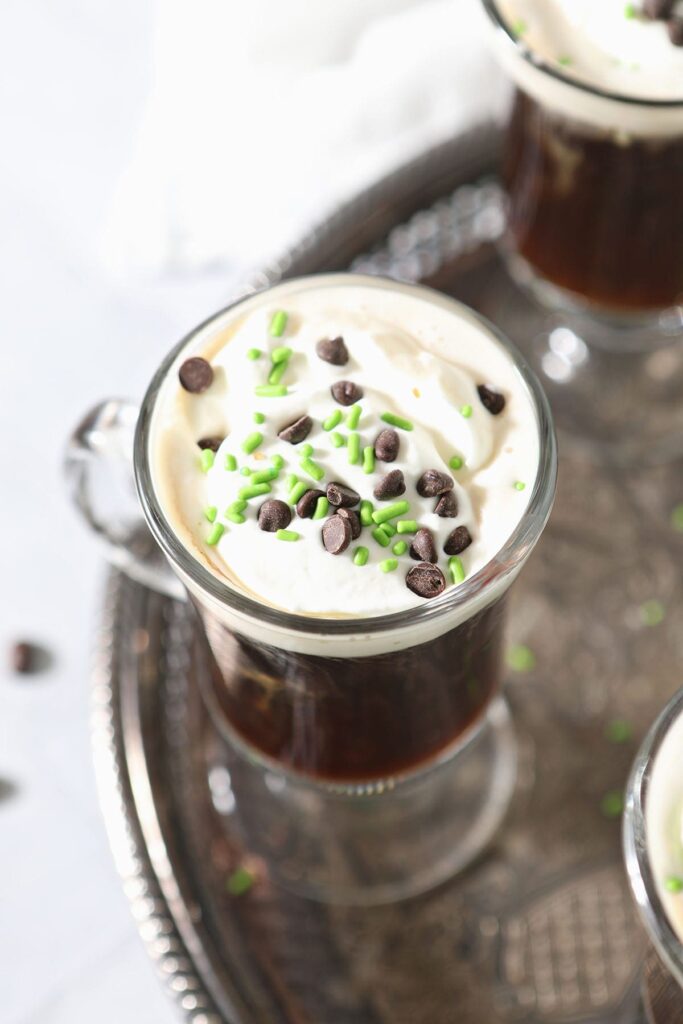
(542,929)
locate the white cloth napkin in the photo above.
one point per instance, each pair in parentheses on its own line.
(265,113)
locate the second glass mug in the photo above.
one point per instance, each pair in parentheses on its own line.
(369,759)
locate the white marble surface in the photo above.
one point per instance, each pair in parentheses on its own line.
(72,77)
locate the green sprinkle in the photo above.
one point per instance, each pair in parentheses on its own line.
(206,459)
(565,61)
(254,353)
(389,565)
(245,471)
(278,461)
(612,803)
(291,480)
(407,526)
(239,882)
(360,556)
(277,373)
(519,485)
(400,547)
(389,529)
(235,517)
(354,449)
(677,518)
(382,537)
(521,658)
(278,324)
(619,730)
(519,27)
(253,491)
(251,443)
(332,420)
(270,390)
(289,535)
(466,411)
(237,506)
(281,354)
(353,416)
(259,417)
(306,451)
(396,421)
(383,515)
(456,462)
(673,884)
(230,463)
(630,11)
(369,459)
(264,475)
(456,569)
(297,491)
(322,506)
(338,440)
(652,613)
(312,469)
(210,513)
(215,534)
(366,509)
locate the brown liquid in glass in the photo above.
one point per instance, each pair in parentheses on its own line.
(357,719)
(600,218)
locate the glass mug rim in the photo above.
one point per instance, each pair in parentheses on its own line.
(520,542)
(517,44)
(641,876)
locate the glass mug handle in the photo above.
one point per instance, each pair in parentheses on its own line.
(98,467)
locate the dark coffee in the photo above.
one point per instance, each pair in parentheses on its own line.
(345,719)
(599,217)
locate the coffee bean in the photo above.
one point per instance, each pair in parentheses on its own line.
(305,506)
(297,431)
(433,482)
(423,548)
(658,9)
(675,29)
(213,443)
(22,657)
(346,392)
(336,534)
(195,375)
(390,486)
(491,400)
(333,350)
(274,515)
(342,496)
(387,444)
(447,505)
(354,520)
(457,541)
(426,580)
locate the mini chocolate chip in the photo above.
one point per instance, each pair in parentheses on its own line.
(336,534)
(433,482)
(390,486)
(354,520)
(675,29)
(426,580)
(213,443)
(274,515)
(305,506)
(195,375)
(658,9)
(333,350)
(447,506)
(387,444)
(346,392)
(423,548)
(491,400)
(297,431)
(457,541)
(21,657)
(342,496)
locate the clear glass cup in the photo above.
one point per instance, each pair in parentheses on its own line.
(637,846)
(595,235)
(369,759)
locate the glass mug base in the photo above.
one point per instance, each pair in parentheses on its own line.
(367,845)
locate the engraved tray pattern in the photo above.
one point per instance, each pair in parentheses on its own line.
(542,928)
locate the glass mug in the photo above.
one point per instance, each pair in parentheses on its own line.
(379,748)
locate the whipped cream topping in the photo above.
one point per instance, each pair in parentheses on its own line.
(610,46)
(415,354)
(664,824)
